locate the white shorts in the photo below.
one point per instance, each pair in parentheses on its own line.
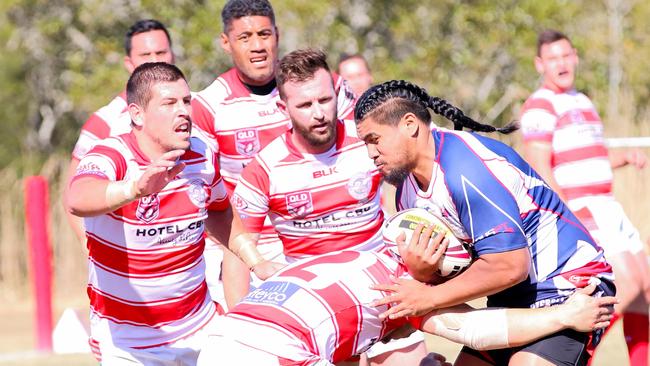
(608,224)
(183,352)
(380,348)
(224,351)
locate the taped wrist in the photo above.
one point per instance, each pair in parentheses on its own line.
(479,329)
(245,247)
(120,193)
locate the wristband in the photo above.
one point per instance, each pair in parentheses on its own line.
(245,247)
(120,193)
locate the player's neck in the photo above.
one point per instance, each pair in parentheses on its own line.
(308,147)
(426,152)
(149,148)
(265,89)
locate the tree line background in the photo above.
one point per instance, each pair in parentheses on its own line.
(62,59)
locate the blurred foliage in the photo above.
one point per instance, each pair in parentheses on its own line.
(62,59)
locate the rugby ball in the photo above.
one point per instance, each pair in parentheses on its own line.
(457,257)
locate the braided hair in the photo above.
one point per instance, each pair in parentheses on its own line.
(389,101)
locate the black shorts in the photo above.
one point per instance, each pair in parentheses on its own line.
(567,347)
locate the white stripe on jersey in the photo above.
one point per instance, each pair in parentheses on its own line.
(111,120)
(570,123)
(146,269)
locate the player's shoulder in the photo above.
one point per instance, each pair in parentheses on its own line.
(275,152)
(225,87)
(541,99)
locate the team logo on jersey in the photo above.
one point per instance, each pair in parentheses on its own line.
(148,208)
(576,116)
(299,204)
(272,292)
(238,202)
(197,191)
(359,186)
(247,142)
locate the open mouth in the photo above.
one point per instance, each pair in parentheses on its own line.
(259,60)
(183,128)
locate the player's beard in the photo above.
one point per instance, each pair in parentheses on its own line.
(397,176)
(317,140)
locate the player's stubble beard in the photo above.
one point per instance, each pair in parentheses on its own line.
(317,140)
(397,175)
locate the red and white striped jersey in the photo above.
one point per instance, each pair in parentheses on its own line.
(242,123)
(146,271)
(570,123)
(317,203)
(317,308)
(111,120)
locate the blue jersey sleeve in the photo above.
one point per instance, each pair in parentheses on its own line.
(486,207)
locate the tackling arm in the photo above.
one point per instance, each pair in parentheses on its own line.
(494,328)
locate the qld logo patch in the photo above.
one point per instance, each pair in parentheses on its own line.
(299,204)
(359,186)
(148,208)
(247,142)
(197,191)
(272,292)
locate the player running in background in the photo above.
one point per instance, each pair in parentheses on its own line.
(563,141)
(238,110)
(315,183)
(531,250)
(146,197)
(317,312)
(355,70)
(146,41)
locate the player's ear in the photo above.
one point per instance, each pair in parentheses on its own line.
(225,43)
(282,106)
(128,64)
(409,123)
(539,65)
(137,114)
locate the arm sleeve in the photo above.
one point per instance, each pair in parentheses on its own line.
(485,205)
(101,162)
(93,130)
(538,120)
(251,196)
(345,98)
(218,193)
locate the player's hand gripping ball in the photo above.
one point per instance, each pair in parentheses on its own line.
(456,258)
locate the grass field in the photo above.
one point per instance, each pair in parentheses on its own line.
(17,344)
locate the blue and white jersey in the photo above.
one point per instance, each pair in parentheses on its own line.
(491,198)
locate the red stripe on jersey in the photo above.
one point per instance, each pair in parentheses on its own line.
(282,317)
(115,156)
(219,205)
(589,190)
(306,246)
(583,153)
(579,277)
(586,218)
(325,199)
(234,83)
(150,313)
(97,126)
(193,157)
(586,116)
(202,116)
(545,137)
(538,103)
(171,205)
(264,133)
(144,262)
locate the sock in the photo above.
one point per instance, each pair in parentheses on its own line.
(635,328)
